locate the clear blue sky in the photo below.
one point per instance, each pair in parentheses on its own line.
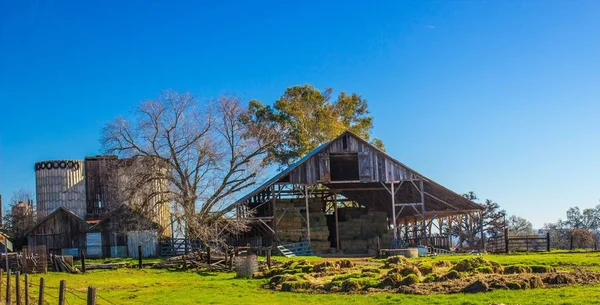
(498,97)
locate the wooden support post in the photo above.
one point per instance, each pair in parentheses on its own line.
(378,246)
(393,193)
(140,256)
(91,296)
(8,287)
(1,275)
(82,255)
(269,258)
(18,287)
(41,291)
(274,206)
(208,255)
(482,233)
(337,226)
(307,214)
(548,241)
(506,240)
(423,211)
(571,243)
(62,292)
(26,289)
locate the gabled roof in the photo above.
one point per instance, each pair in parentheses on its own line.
(59,210)
(438,192)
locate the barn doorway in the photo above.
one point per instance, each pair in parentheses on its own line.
(344,167)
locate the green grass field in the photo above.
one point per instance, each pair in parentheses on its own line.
(151,286)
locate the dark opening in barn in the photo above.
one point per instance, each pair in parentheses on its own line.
(344,167)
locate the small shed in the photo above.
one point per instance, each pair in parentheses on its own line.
(61,232)
(120,232)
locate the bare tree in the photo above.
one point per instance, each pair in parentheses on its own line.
(210,151)
(20,216)
(519,226)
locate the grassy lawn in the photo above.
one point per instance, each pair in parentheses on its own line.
(152,286)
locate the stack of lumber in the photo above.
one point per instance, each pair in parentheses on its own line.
(197,260)
(62,263)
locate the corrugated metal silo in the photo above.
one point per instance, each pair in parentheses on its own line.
(60,183)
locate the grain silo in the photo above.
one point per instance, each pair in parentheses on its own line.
(60,183)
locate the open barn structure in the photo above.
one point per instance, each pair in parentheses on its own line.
(347,195)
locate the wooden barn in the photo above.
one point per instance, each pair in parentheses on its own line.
(61,232)
(120,232)
(344,196)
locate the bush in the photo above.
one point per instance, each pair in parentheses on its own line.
(410,279)
(517,269)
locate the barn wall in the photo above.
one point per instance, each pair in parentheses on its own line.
(60,231)
(374,166)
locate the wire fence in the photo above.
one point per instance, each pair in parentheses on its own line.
(16,289)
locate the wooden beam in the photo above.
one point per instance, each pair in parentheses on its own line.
(307,214)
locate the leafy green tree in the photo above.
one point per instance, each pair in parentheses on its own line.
(308,118)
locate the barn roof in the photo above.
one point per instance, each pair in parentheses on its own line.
(68,212)
(439,199)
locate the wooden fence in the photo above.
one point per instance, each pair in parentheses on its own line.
(16,289)
(527,243)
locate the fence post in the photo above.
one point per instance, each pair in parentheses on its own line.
(1,275)
(548,241)
(571,242)
(91,296)
(506,240)
(82,254)
(378,245)
(26,289)
(8,286)
(208,255)
(41,292)
(140,256)
(269,258)
(61,292)
(18,287)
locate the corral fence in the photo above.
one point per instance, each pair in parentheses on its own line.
(16,288)
(521,243)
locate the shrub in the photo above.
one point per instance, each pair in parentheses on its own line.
(517,269)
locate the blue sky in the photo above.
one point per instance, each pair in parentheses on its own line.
(498,97)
